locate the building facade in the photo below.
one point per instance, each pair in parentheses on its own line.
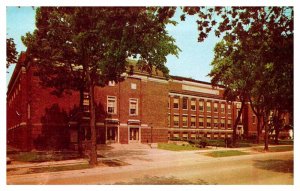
(141,109)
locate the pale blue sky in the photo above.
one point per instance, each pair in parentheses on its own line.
(194,60)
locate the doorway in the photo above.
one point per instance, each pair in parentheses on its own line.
(134,134)
(112,135)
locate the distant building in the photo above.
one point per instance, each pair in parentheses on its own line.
(141,109)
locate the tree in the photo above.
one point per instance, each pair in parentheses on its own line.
(92,44)
(265,38)
(232,72)
(11,52)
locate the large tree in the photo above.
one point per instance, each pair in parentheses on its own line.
(265,38)
(231,70)
(11,52)
(92,43)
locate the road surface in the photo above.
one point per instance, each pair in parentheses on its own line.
(168,167)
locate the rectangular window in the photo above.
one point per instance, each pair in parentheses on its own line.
(184,103)
(193,121)
(215,107)
(208,122)
(215,122)
(208,106)
(201,122)
(228,108)
(133,106)
(176,102)
(229,124)
(223,123)
(201,105)
(133,86)
(176,120)
(184,121)
(222,107)
(111,105)
(253,119)
(111,83)
(169,119)
(169,99)
(193,104)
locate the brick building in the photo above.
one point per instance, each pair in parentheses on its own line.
(140,109)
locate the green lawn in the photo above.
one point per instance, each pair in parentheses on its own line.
(59,168)
(226,153)
(43,156)
(276,149)
(174,147)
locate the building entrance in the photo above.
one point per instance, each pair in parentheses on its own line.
(134,134)
(112,135)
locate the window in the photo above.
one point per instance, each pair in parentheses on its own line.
(133,106)
(185,135)
(215,122)
(111,105)
(193,121)
(229,108)
(215,107)
(86,102)
(208,106)
(201,105)
(169,119)
(200,121)
(169,103)
(133,86)
(208,122)
(222,107)
(223,123)
(193,104)
(184,121)
(253,119)
(184,103)
(176,103)
(111,83)
(229,124)
(176,120)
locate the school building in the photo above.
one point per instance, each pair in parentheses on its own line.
(141,109)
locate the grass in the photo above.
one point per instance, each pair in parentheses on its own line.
(276,149)
(174,147)
(59,168)
(226,153)
(285,166)
(43,157)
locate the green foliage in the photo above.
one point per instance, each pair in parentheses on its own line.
(69,40)
(226,153)
(175,147)
(11,52)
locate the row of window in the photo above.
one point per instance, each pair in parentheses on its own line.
(209,122)
(14,95)
(112,105)
(200,105)
(186,135)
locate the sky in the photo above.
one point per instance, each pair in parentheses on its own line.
(193,61)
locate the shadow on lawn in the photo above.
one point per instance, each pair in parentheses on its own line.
(162,180)
(285,166)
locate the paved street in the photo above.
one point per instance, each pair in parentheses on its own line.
(192,167)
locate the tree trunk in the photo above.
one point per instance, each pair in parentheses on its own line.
(277,126)
(258,128)
(266,125)
(234,136)
(79,127)
(93,155)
